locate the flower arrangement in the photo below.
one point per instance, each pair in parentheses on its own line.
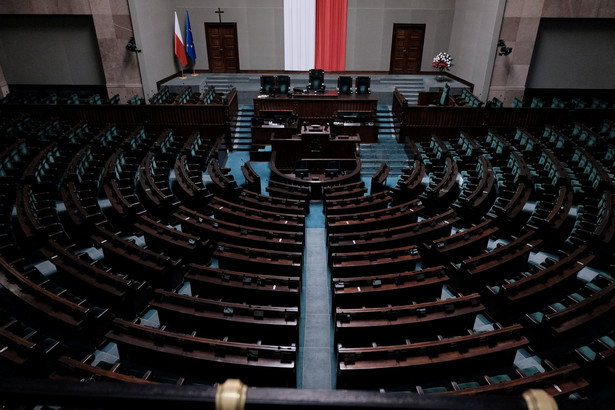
(443,61)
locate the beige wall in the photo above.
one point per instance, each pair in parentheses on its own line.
(474,38)
(113,29)
(260,29)
(260,34)
(370,30)
(520,29)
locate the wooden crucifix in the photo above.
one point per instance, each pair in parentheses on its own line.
(219,13)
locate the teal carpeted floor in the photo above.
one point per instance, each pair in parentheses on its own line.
(315,367)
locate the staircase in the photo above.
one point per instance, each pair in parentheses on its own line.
(241,133)
(387,150)
(408,86)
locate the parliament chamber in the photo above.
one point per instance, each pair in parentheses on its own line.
(133,253)
(315,238)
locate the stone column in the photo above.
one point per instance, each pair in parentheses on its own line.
(519,31)
(113,30)
(4,87)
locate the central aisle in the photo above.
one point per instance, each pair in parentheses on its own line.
(316,363)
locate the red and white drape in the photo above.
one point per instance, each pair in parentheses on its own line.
(315,34)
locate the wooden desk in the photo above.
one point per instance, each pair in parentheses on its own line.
(316,105)
(315,142)
(317,108)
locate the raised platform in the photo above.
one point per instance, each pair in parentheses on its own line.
(197,83)
(382,85)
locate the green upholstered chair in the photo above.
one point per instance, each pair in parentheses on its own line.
(430,390)
(587,353)
(500,378)
(267,84)
(344,85)
(316,80)
(517,103)
(468,385)
(362,85)
(530,371)
(282,83)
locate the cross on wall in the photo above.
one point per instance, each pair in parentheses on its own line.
(219,13)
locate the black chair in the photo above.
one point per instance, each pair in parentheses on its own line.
(362,85)
(316,81)
(333,169)
(301,169)
(344,85)
(282,82)
(267,84)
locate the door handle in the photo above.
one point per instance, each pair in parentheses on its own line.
(405,51)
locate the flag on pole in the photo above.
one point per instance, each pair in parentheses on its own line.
(189,42)
(179,44)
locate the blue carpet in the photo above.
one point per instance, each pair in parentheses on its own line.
(316,365)
(264,171)
(235,160)
(316,218)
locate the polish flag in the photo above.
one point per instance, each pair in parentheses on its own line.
(180,51)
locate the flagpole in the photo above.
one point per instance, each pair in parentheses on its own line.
(194,73)
(183,77)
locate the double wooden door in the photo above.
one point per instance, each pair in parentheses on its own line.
(407,48)
(222,49)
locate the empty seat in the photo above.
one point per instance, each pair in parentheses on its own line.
(316,80)
(267,84)
(344,85)
(362,85)
(282,83)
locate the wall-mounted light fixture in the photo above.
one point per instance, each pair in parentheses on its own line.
(132,46)
(504,51)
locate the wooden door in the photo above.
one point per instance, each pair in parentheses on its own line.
(407,48)
(222,49)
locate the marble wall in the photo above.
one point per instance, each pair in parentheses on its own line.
(520,29)
(113,29)
(4,87)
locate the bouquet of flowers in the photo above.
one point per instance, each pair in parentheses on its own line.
(443,61)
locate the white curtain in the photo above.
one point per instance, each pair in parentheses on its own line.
(299,34)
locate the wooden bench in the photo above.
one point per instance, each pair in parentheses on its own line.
(502,259)
(231,319)
(356,324)
(437,226)
(403,213)
(243,287)
(236,257)
(258,218)
(388,287)
(359,365)
(222,231)
(379,179)
(388,260)
(189,354)
(253,180)
(468,242)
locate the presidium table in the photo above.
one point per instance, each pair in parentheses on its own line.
(281,115)
(315,158)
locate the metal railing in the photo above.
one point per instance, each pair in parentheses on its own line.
(237,396)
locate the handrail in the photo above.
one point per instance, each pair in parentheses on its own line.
(161,396)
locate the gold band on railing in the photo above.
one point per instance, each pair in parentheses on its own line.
(231,395)
(539,400)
